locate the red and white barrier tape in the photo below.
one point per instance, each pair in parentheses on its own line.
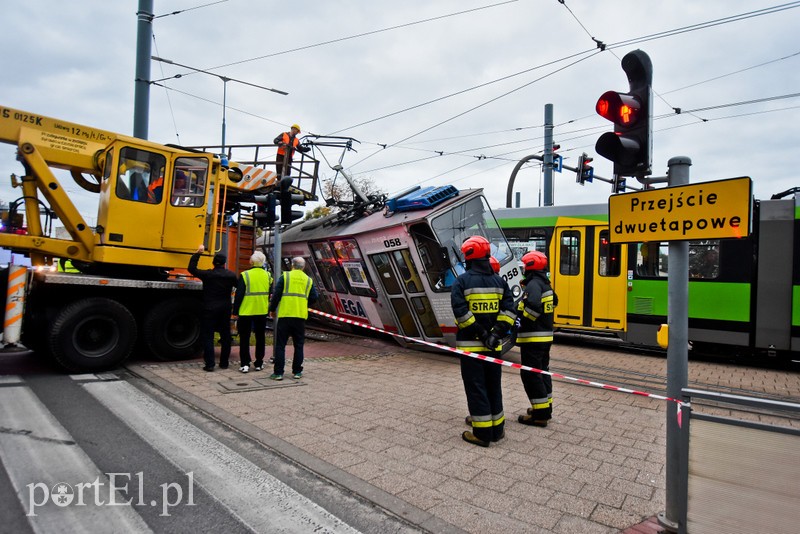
(504,362)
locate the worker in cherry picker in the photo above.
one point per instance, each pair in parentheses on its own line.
(484,310)
(287,143)
(535,337)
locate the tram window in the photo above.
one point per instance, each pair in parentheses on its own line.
(704,259)
(408,272)
(435,261)
(422,307)
(387,276)
(652,259)
(609,264)
(521,247)
(570,253)
(349,258)
(331,273)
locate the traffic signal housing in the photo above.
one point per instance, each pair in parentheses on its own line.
(630,146)
(264,215)
(287,199)
(558,160)
(585,171)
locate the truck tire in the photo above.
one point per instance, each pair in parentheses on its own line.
(171,329)
(93,334)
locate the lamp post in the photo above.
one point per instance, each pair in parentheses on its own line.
(225,81)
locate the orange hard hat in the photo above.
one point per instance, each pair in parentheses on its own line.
(495,264)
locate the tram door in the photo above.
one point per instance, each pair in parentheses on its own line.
(403,286)
(588,276)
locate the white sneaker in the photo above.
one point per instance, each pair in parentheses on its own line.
(258,368)
(244,369)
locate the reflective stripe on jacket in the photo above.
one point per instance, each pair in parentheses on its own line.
(257,282)
(480,296)
(294,300)
(536,310)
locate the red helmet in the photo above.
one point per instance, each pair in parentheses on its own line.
(534,261)
(475,248)
(495,264)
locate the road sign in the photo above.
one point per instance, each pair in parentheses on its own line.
(710,210)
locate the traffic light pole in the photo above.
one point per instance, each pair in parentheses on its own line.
(276,267)
(677,363)
(548,154)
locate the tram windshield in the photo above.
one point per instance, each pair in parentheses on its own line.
(473,217)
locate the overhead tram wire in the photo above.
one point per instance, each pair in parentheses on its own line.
(484,103)
(364,34)
(668,33)
(166,92)
(188,9)
(707,24)
(474,87)
(731,73)
(229,107)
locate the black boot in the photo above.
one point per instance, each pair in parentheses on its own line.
(469,437)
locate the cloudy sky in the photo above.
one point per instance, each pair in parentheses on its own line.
(454,90)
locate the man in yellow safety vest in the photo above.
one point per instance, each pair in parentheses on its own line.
(251,305)
(294,291)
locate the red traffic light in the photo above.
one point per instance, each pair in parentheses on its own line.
(620,108)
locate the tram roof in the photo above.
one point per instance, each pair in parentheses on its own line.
(317,228)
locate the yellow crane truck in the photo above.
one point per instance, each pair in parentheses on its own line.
(155,205)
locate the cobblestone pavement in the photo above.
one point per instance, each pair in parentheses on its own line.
(387,421)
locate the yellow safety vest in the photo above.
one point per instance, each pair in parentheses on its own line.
(257,282)
(294,301)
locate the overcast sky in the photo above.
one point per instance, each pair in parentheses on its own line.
(352,67)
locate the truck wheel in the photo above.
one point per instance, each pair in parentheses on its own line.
(171,330)
(92,335)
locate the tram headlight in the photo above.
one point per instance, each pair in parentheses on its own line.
(516,291)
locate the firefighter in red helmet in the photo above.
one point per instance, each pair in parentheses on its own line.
(535,337)
(484,310)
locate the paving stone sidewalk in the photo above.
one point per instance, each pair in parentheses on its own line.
(392,418)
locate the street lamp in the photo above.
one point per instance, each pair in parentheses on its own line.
(225,81)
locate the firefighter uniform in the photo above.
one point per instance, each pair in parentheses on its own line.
(483,307)
(535,337)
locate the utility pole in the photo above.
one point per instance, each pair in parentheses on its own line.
(548,154)
(141,92)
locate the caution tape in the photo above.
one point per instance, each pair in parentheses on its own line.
(504,362)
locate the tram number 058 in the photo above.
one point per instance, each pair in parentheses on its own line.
(394,242)
(511,274)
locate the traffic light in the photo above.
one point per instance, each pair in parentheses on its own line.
(264,215)
(558,160)
(287,199)
(585,171)
(630,146)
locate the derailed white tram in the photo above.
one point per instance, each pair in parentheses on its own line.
(392,268)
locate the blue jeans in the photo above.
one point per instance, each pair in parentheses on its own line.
(296,328)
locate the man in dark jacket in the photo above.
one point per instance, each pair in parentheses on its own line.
(484,310)
(218,283)
(535,337)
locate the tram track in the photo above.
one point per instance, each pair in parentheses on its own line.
(628,373)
